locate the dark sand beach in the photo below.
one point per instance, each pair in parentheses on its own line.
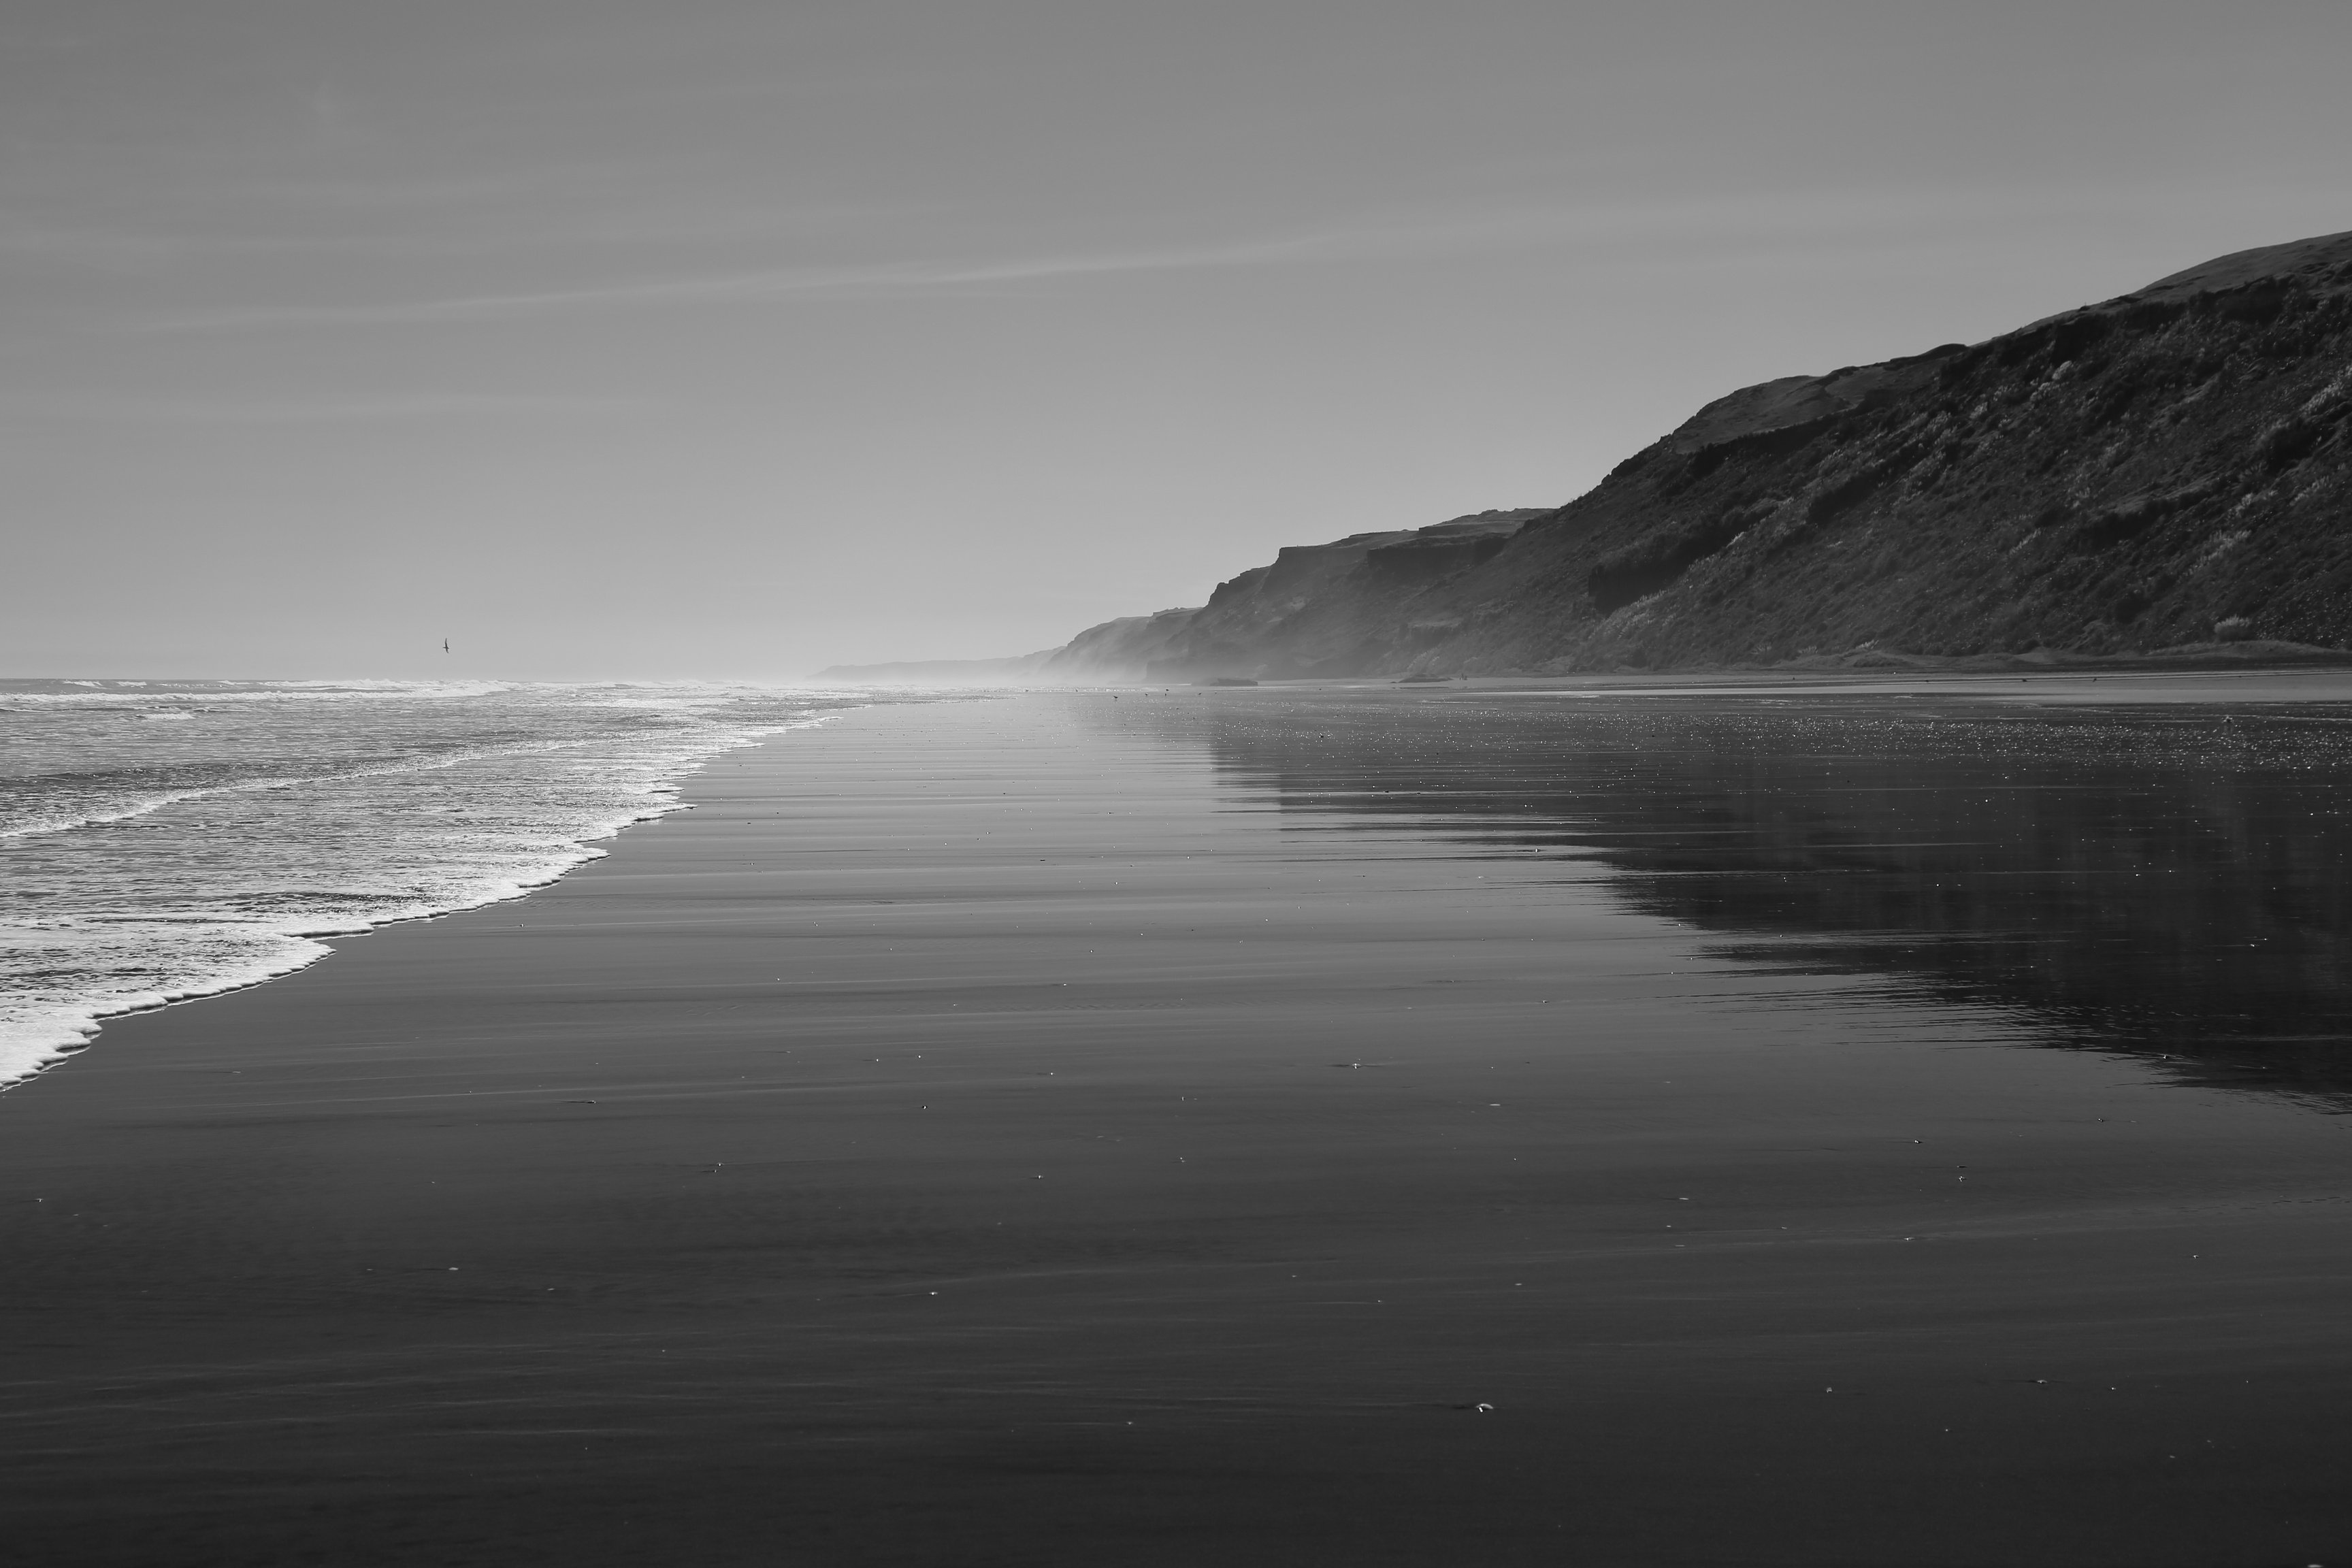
(1260,1127)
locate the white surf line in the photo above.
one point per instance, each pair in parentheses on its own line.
(84,1025)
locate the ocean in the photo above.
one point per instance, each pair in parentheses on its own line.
(167,839)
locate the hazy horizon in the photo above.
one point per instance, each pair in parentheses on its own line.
(739,339)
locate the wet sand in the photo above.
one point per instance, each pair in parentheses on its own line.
(2123,684)
(1017,1131)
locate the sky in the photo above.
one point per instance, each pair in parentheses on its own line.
(730,339)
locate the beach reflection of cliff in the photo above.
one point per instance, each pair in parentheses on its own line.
(2175,882)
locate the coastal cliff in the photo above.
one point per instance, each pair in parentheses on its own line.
(1343,608)
(2167,471)
(2167,468)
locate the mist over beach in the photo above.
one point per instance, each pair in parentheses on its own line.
(1029,784)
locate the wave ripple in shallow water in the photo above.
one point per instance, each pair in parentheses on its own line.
(163,840)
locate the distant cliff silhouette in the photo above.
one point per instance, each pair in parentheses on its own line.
(2170,469)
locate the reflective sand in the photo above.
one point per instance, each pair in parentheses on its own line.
(1148,1128)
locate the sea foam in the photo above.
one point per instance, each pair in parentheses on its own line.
(166,840)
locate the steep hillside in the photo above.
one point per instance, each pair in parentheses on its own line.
(1306,614)
(1331,609)
(2170,469)
(2164,468)
(1123,649)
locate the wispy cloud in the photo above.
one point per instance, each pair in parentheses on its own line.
(264,229)
(1425,236)
(308,411)
(1720,228)
(779,283)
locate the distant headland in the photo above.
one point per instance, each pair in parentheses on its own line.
(2165,477)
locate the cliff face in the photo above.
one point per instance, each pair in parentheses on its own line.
(1332,609)
(1124,649)
(2168,468)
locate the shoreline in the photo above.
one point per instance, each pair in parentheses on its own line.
(2328,680)
(663,794)
(2263,684)
(994,1128)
